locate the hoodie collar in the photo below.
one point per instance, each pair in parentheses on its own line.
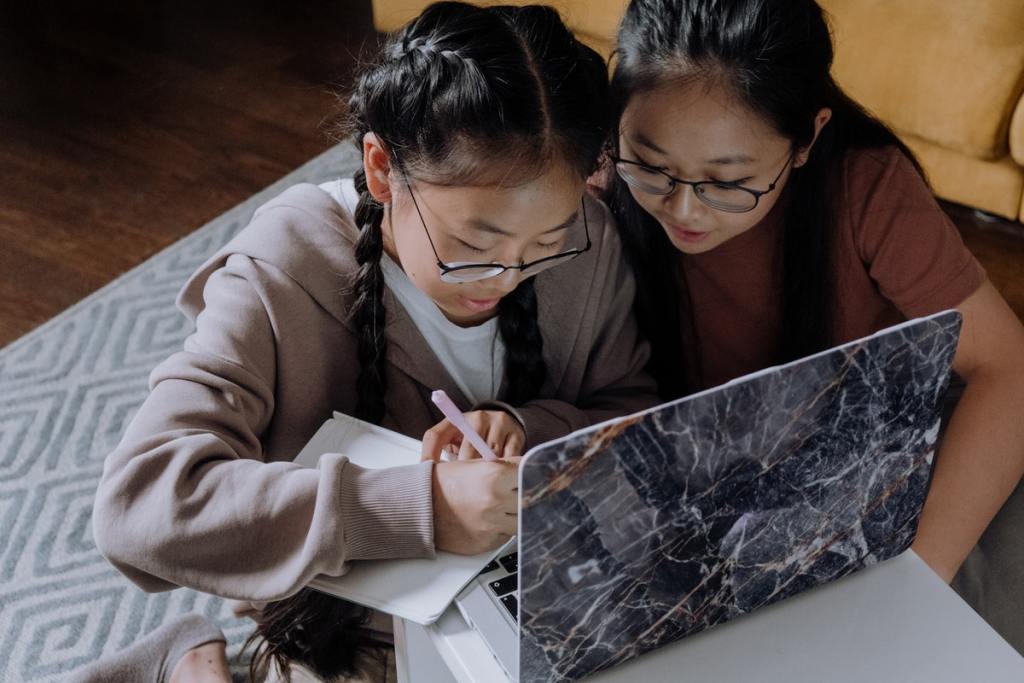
(305,234)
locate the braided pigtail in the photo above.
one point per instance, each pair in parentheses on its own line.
(525,370)
(322,632)
(368,315)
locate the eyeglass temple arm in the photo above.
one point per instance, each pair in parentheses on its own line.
(416,205)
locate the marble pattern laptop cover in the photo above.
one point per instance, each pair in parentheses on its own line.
(644,531)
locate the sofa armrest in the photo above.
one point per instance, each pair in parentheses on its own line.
(1017,133)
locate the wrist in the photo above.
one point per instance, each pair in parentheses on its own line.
(388,513)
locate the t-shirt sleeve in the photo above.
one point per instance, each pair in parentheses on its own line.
(909,245)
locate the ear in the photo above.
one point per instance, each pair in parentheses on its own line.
(820,119)
(377,165)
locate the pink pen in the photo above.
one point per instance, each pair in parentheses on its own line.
(456,417)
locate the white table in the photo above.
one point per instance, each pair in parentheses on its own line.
(895,622)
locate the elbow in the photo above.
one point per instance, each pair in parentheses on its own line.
(108,523)
(112,525)
(115,535)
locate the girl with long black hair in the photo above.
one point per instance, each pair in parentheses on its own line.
(768,217)
(464,255)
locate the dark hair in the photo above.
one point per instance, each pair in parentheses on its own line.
(456,89)
(776,58)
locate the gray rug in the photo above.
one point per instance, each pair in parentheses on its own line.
(67,391)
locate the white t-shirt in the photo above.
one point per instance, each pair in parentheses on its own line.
(473,356)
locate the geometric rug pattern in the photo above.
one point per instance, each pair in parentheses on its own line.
(67,391)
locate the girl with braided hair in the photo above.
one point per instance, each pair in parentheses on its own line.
(464,255)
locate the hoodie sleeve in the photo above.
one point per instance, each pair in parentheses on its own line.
(606,364)
(187,498)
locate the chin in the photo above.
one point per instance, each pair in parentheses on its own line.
(462,316)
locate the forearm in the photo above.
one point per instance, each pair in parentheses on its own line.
(980,462)
(186,498)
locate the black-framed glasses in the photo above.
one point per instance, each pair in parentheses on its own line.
(459,272)
(723,196)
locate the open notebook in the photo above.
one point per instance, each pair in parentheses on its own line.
(419,589)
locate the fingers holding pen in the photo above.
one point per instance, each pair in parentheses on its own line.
(439,438)
(501,432)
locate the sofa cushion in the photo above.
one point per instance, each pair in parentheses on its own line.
(994,186)
(948,71)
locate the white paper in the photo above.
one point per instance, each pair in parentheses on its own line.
(420,589)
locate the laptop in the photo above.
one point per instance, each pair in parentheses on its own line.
(649,528)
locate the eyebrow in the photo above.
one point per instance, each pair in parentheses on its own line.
(640,139)
(732,159)
(487,227)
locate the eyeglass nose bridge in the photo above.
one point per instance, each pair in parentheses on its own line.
(693,186)
(517,276)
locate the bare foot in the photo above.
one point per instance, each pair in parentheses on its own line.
(207,663)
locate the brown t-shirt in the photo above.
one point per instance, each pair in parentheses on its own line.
(898,256)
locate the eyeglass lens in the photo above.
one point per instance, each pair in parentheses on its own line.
(718,196)
(481,272)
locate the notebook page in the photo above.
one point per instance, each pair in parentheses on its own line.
(416,589)
(364,444)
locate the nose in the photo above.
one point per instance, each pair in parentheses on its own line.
(508,280)
(683,204)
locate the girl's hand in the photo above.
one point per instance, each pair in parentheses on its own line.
(475,504)
(499,430)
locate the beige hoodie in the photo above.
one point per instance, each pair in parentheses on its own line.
(201,491)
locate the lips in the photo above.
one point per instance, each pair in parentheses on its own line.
(685,234)
(480,305)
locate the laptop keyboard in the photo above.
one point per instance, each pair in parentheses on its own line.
(504,584)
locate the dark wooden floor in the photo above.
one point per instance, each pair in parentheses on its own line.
(125,126)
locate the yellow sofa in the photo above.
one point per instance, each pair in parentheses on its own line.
(947,75)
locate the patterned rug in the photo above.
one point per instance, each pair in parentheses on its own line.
(67,391)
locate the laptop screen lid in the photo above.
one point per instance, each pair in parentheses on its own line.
(649,528)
